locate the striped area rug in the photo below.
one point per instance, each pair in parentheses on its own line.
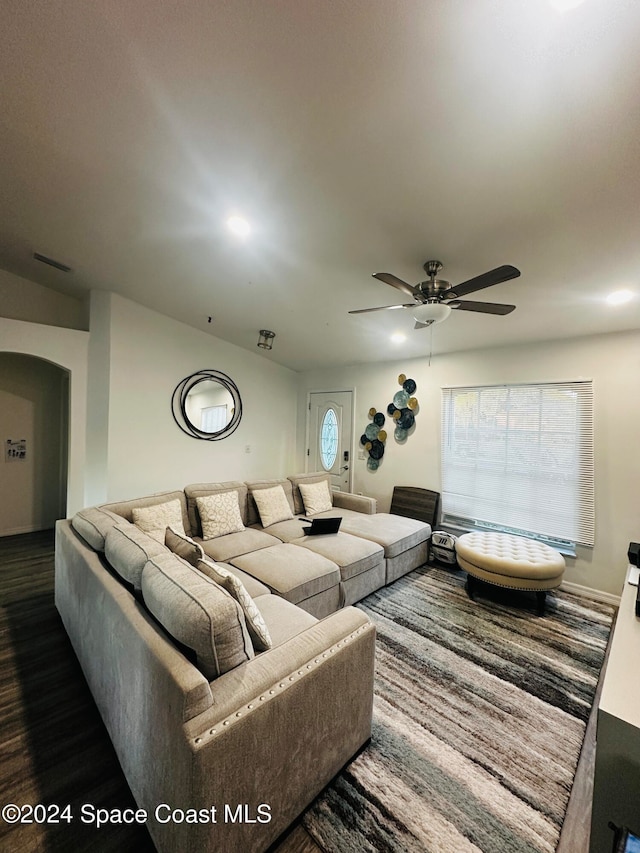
(479,715)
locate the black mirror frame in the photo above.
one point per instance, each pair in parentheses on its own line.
(179,404)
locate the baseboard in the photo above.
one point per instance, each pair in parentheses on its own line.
(596,594)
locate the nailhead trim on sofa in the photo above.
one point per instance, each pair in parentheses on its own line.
(283,685)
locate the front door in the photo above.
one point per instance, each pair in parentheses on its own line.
(329,429)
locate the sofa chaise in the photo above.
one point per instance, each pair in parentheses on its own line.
(229,712)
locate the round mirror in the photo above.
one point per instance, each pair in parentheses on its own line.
(207,405)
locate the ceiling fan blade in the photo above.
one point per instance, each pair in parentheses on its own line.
(487,279)
(383,308)
(482,307)
(394,281)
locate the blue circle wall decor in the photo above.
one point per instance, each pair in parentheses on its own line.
(373,439)
(403,410)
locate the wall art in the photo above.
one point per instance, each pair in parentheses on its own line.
(403,408)
(15,450)
(373,439)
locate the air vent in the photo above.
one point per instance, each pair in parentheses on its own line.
(52,263)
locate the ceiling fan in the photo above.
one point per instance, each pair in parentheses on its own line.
(433,300)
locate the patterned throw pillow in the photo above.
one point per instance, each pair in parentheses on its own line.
(272,504)
(256,625)
(183,546)
(316,497)
(219,514)
(154,520)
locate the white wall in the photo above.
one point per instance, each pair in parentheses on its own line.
(123,441)
(97,416)
(611,361)
(148,355)
(21,299)
(33,399)
(66,348)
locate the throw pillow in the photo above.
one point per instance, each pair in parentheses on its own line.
(154,520)
(219,514)
(315,497)
(272,504)
(256,625)
(198,613)
(183,546)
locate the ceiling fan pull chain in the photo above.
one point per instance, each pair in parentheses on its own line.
(430,341)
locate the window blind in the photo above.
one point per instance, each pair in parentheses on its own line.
(520,457)
(214,418)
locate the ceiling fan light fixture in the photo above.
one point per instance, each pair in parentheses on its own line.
(431,313)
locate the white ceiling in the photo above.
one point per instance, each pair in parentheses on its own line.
(357,137)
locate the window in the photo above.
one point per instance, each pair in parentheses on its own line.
(214,418)
(329,439)
(519,458)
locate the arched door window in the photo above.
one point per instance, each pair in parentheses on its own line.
(329,439)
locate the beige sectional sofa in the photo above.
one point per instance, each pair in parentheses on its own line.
(225,742)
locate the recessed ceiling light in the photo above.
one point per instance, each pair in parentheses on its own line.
(619,297)
(398,338)
(239,226)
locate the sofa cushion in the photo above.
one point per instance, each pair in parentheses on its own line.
(351,553)
(353,503)
(128,549)
(196,490)
(219,514)
(253,516)
(296,479)
(316,497)
(224,548)
(287,531)
(340,512)
(395,533)
(291,572)
(253,586)
(272,505)
(183,545)
(93,524)
(125,508)
(258,631)
(283,619)
(155,519)
(198,613)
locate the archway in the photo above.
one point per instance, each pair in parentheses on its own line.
(34,429)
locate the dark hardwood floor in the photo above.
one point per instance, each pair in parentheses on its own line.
(55,750)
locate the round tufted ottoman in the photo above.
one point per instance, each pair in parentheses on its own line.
(510,561)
